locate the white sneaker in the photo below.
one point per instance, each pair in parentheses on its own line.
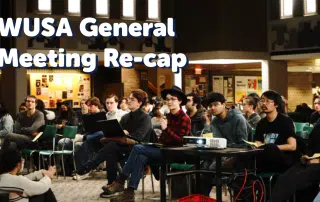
(81,177)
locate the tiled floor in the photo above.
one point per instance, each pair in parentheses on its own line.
(88,190)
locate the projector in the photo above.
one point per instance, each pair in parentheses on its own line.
(218,143)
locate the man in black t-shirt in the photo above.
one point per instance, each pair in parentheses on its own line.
(276,134)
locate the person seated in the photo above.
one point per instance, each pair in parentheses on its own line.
(22,107)
(65,116)
(177,125)
(303,178)
(276,134)
(124,105)
(249,108)
(34,186)
(157,118)
(194,111)
(136,124)
(49,116)
(27,125)
(316,114)
(6,122)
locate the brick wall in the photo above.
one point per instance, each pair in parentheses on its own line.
(299,89)
(131,80)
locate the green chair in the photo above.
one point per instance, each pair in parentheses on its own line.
(308,129)
(68,132)
(50,132)
(300,126)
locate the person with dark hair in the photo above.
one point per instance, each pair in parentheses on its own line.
(34,186)
(136,124)
(22,107)
(66,116)
(48,115)
(276,134)
(228,123)
(249,108)
(193,107)
(123,105)
(177,125)
(6,122)
(27,125)
(315,115)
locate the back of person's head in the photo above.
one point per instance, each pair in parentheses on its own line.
(276,97)
(3,109)
(40,105)
(254,95)
(10,156)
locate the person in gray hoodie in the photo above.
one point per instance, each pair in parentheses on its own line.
(228,123)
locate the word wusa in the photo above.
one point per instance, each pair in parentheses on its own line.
(89,27)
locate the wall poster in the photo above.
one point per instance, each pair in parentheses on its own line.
(247,84)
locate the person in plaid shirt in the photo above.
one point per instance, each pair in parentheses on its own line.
(177,125)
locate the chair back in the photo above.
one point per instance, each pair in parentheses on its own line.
(308,129)
(70,131)
(50,131)
(299,126)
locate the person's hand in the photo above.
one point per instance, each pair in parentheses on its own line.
(103,140)
(205,117)
(126,132)
(50,172)
(313,161)
(59,126)
(163,124)
(35,134)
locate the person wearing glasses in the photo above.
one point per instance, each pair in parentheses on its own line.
(136,124)
(27,125)
(276,135)
(174,127)
(315,115)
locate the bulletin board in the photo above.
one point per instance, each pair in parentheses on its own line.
(57,87)
(245,85)
(196,84)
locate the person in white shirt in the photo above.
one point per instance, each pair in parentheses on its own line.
(34,187)
(113,112)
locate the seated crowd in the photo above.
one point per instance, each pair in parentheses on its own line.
(159,120)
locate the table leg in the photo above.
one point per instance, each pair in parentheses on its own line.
(163,173)
(197,175)
(218,179)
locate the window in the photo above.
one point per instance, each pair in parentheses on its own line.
(102,7)
(286,8)
(310,7)
(128,9)
(153,9)
(44,6)
(74,7)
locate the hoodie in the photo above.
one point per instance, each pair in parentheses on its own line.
(234,127)
(197,123)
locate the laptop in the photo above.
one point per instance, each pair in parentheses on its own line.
(112,128)
(90,121)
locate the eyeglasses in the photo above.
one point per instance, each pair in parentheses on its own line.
(171,99)
(266,101)
(316,103)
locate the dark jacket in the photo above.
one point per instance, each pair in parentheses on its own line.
(197,124)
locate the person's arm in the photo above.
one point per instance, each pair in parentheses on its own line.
(39,121)
(7,125)
(290,146)
(17,125)
(33,188)
(35,176)
(241,130)
(259,139)
(74,120)
(173,136)
(142,129)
